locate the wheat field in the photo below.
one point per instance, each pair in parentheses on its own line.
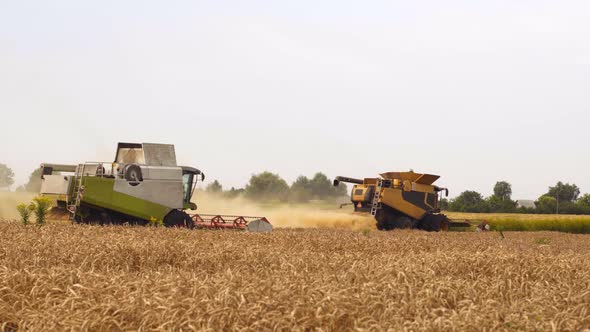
(93,278)
(579,224)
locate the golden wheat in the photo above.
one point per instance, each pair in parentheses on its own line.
(70,277)
(529,222)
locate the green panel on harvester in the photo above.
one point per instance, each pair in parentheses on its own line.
(100,192)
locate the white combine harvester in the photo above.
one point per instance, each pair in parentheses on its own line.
(143,184)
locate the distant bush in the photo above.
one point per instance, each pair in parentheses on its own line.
(34,183)
(6,176)
(501,205)
(319,187)
(269,187)
(469,201)
(546,205)
(214,187)
(560,199)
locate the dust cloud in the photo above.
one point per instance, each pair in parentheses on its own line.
(321,215)
(310,215)
(9,201)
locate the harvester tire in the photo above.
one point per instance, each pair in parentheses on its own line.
(404,222)
(189,222)
(105,218)
(434,223)
(445,223)
(388,220)
(383,220)
(177,218)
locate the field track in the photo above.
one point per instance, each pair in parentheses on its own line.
(61,277)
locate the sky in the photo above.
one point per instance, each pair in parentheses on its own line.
(475,91)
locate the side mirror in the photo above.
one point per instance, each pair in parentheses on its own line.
(446,192)
(336,183)
(202,176)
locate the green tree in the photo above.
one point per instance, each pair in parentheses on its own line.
(214,187)
(300,190)
(584,200)
(267,186)
(570,208)
(503,190)
(34,183)
(233,192)
(340,190)
(6,176)
(583,204)
(321,186)
(546,204)
(497,204)
(444,204)
(564,192)
(501,200)
(468,201)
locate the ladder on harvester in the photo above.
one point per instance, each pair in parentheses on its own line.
(376,195)
(77,192)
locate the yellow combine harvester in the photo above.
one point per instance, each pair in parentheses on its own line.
(401,200)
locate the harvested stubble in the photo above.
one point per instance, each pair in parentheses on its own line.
(61,277)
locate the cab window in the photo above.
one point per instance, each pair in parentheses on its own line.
(187,186)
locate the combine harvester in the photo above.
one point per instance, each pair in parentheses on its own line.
(401,200)
(143,184)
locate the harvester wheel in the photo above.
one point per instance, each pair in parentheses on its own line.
(105,218)
(387,220)
(189,222)
(177,218)
(383,219)
(445,223)
(404,222)
(434,223)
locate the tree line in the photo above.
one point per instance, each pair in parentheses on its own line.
(563,198)
(268,186)
(7,179)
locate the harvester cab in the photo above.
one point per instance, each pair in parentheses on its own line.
(400,200)
(143,184)
(136,162)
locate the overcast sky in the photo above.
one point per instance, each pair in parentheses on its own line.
(476,91)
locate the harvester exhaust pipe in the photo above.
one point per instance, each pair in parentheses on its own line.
(339,179)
